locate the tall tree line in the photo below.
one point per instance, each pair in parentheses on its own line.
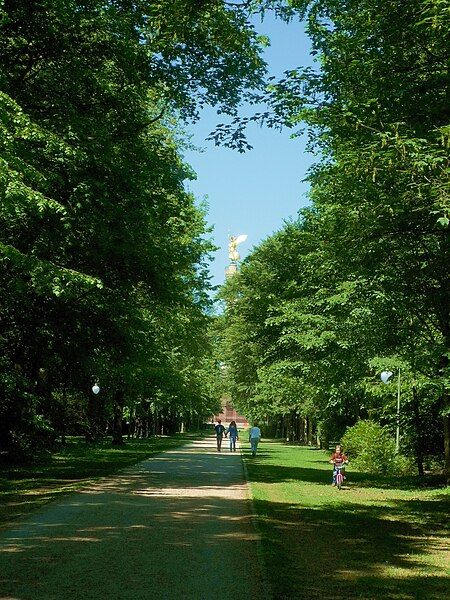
(102,251)
(360,283)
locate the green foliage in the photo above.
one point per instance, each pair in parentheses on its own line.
(371,448)
(363,274)
(103,253)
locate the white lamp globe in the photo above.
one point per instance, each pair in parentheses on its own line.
(96,388)
(385,376)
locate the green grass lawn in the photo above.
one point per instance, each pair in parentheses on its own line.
(27,487)
(376,538)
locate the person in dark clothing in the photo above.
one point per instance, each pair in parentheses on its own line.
(220,430)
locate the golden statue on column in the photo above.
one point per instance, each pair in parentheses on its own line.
(233,254)
(232,246)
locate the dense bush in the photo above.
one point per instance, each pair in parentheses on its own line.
(371,448)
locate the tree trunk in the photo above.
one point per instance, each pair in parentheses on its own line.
(308,431)
(91,433)
(118,417)
(132,425)
(145,427)
(297,428)
(278,428)
(447,445)
(446,405)
(155,425)
(418,428)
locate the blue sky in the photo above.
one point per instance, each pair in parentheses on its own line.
(253,193)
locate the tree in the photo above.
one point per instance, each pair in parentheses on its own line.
(99,235)
(376,108)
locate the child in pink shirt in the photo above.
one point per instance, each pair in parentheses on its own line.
(338,459)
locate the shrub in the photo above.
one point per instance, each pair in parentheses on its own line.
(435,464)
(371,448)
(34,439)
(404,465)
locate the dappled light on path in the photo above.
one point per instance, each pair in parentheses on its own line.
(167,528)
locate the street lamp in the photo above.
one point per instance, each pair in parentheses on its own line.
(96,388)
(385,377)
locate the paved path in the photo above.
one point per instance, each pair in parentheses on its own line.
(175,526)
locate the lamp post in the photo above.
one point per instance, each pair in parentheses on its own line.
(385,377)
(92,414)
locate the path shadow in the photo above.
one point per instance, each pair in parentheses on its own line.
(205,469)
(131,547)
(161,530)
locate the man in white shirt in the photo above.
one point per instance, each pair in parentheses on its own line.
(253,437)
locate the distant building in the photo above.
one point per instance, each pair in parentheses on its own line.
(229,414)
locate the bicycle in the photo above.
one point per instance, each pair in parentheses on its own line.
(339,474)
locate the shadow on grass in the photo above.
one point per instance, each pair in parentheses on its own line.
(352,551)
(345,545)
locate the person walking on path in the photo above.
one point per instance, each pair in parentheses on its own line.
(254,437)
(220,430)
(232,431)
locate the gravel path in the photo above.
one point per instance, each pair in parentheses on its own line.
(175,526)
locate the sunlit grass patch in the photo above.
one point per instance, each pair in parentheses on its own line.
(377,537)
